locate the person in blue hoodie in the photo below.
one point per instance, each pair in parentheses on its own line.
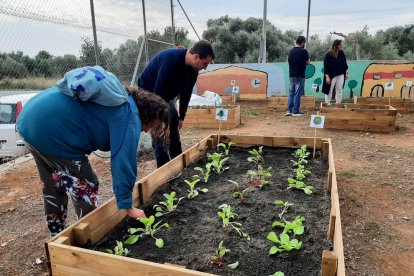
(61,131)
(170,74)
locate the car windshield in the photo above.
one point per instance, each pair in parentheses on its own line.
(7,113)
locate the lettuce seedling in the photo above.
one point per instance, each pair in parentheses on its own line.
(301,173)
(240,194)
(283,244)
(168,206)
(279,273)
(286,206)
(150,229)
(226,214)
(119,250)
(299,185)
(206,175)
(217,163)
(193,192)
(301,154)
(257,178)
(257,157)
(217,259)
(226,148)
(295,226)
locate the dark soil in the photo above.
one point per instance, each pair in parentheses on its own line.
(196,230)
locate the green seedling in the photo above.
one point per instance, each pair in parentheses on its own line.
(168,206)
(301,173)
(300,185)
(240,194)
(283,243)
(149,230)
(279,273)
(257,157)
(226,214)
(301,154)
(257,178)
(225,147)
(119,250)
(295,226)
(285,205)
(217,163)
(206,175)
(217,259)
(193,192)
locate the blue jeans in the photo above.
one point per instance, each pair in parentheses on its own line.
(296,90)
(164,151)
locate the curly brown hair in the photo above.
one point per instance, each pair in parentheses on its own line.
(151,107)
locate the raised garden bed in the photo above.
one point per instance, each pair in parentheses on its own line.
(376,118)
(67,257)
(280,103)
(402,105)
(205,117)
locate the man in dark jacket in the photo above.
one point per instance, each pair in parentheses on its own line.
(172,73)
(298,59)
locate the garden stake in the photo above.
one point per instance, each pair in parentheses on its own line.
(218,136)
(314,140)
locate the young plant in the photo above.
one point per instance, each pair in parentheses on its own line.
(240,194)
(279,273)
(206,175)
(193,192)
(168,206)
(217,259)
(299,185)
(226,148)
(285,205)
(283,243)
(257,157)
(226,214)
(295,226)
(301,172)
(149,230)
(119,250)
(257,178)
(217,163)
(301,154)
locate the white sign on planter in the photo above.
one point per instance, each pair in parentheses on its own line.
(317,121)
(221,114)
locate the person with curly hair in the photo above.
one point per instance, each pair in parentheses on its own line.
(61,132)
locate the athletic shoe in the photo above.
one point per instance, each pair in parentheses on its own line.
(288,113)
(299,114)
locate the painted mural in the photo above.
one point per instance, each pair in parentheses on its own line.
(257,80)
(389,80)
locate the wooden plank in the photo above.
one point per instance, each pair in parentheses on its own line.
(206,118)
(60,270)
(329,263)
(82,234)
(402,105)
(325,149)
(108,264)
(291,142)
(280,103)
(329,182)
(332,221)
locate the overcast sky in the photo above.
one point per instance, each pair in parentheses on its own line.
(58,26)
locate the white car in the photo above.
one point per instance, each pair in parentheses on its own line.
(11,143)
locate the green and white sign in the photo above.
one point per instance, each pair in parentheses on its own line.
(221,114)
(317,121)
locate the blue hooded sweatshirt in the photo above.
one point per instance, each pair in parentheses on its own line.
(57,125)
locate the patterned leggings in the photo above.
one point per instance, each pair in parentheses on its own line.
(60,178)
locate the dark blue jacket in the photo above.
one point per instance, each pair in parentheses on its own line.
(168,76)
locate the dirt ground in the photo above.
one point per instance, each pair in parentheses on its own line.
(375,180)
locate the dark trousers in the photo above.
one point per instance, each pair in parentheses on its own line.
(61,178)
(165,151)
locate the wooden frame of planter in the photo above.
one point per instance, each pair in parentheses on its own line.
(205,117)
(66,257)
(376,118)
(280,103)
(402,105)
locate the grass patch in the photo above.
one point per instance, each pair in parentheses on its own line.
(372,229)
(347,174)
(249,112)
(31,83)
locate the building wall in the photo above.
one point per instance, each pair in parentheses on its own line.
(257,80)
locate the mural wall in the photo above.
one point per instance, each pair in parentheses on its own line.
(256,80)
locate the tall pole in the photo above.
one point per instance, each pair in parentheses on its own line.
(172,22)
(264,32)
(95,39)
(307,28)
(145,32)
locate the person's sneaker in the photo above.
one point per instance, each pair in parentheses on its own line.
(299,114)
(288,113)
